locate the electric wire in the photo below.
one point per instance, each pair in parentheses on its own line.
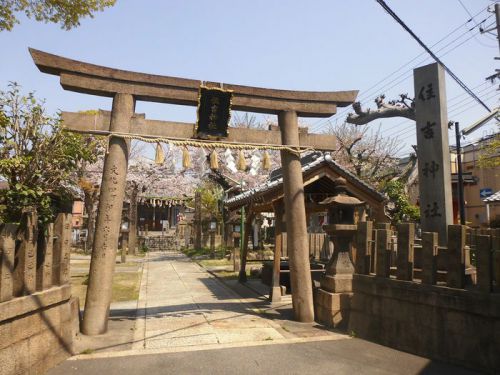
(365,93)
(368,91)
(436,58)
(406,75)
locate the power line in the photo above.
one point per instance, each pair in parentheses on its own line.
(408,73)
(366,94)
(408,130)
(409,124)
(409,76)
(477,24)
(437,59)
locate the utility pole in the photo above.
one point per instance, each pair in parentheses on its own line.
(497,12)
(461,201)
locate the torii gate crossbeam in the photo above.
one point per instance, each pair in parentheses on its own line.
(125,88)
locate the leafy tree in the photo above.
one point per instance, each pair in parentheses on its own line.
(211,193)
(38,158)
(490,154)
(67,13)
(400,208)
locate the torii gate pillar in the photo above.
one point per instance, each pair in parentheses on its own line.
(295,211)
(109,217)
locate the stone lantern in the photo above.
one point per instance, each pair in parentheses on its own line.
(336,285)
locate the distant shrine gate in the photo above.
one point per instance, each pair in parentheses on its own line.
(123,123)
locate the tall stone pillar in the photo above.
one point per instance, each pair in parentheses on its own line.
(109,214)
(295,211)
(433,152)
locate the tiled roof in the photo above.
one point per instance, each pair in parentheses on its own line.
(312,161)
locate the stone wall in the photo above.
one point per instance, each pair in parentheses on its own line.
(38,318)
(36,331)
(452,325)
(445,306)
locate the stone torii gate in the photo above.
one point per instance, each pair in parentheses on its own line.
(125,88)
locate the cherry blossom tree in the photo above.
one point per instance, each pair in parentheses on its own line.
(369,155)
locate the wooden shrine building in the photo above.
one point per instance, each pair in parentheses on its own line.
(160,213)
(319,171)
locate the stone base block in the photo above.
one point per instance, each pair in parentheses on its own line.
(275,294)
(337,283)
(335,319)
(76,318)
(36,331)
(332,309)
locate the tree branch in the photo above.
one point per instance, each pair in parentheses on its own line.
(384,110)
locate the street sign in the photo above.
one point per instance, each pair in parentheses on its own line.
(485,192)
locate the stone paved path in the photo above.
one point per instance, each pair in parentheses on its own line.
(181,305)
(189,322)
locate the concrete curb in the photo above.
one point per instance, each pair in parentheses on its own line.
(140,322)
(214,274)
(194,348)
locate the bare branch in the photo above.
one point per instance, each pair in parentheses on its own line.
(369,155)
(399,108)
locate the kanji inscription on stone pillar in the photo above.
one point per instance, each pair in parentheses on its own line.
(433,150)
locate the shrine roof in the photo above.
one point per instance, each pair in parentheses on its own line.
(309,163)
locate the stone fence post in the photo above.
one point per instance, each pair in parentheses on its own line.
(25,270)
(363,247)
(382,268)
(455,258)
(404,260)
(429,257)
(484,263)
(61,250)
(44,267)
(7,252)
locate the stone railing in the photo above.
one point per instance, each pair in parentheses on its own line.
(37,315)
(442,302)
(471,259)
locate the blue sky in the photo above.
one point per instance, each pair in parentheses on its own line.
(305,45)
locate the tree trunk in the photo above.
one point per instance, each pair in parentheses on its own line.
(132,237)
(242,277)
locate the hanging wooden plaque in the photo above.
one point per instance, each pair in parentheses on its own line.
(214,113)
